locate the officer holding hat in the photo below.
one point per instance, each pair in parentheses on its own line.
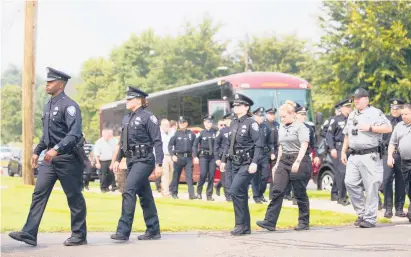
(222,137)
(181,148)
(244,150)
(363,134)
(259,182)
(63,161)
(203,150)
(140,134)
(335,140)
(391,173)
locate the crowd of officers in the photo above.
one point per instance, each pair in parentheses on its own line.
(244,150)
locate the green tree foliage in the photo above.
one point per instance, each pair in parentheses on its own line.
(11,125)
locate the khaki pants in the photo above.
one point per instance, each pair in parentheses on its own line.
(167,175)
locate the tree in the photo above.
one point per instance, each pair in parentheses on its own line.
(366,44)
(11,126)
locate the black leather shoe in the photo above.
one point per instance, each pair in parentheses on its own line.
(388,214)
(175,196)
(24,237)
(258,200)
(334,198)
(192,197)
(199,197)
(210,198)
(74,241)
(300,227)
(366,224)
(263,199)
(343,202)
(149,236)
(400,213)
(240,231)
(119,237)
(358,221)
(229,199)
(266,225)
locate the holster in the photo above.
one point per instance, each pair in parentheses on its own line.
(78,150)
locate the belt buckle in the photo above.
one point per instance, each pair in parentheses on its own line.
(236,158)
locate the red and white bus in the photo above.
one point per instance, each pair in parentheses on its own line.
(266,89)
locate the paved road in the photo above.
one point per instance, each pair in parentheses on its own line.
(389,240)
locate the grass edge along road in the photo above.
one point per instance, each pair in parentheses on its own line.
(103,212)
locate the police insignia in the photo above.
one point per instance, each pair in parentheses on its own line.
(395,102)
(217,134)
(332,121)
(71,110)
(153,119)
(255,126)
(236,96)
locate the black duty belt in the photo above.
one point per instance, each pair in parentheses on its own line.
(206,153)
(289,156)
(364,151)
(184,154)
(267,149)
(240,156)
(139,151)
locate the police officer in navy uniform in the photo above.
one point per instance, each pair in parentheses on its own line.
(61,135)
(140,134)
(181,147)
(335,140)
(274,126)
(203,150)
(259,182)
(221,137)
(244,149)
(391,173)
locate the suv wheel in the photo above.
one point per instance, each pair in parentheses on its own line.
(326,181)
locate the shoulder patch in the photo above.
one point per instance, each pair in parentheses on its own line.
(217,134)
(154,119)
(71,110)
(332,121)
(255,126)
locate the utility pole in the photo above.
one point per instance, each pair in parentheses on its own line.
(246,54)
(30,24)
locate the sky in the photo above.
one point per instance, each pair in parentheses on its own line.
(70,32)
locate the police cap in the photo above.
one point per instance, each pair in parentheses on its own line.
(395,102)
(271,111)
(242,99)
(53,74)
(345,102)
(360,92)
(133,92)
(182,119)
(300,109)
(259,111)
(208,118)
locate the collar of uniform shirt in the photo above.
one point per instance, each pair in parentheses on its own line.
(139,109)
(358,112)
(242,118)
(57,97)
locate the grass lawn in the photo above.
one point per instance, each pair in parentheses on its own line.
(103,212)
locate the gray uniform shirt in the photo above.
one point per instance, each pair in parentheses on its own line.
(401,138)
(370,116)
(291,137)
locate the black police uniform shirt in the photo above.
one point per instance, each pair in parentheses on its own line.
(325,126)
(265,134)
(247,139)
(203,142)
(61,125)
(312,144)
(335,131)
(394,121)
(143,129)
(273,138)
(182,142)
(220,138)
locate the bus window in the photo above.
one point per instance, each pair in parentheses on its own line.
(300,96)
(158,106)
(261,97)
(191,109)
(173,107)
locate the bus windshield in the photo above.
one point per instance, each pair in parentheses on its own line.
(269,98)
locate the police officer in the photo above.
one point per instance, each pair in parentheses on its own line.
(203,150)
(88,164)
(335,140)
(221,137)
(363,134)
(244,149)
(391,173)
(293,164)
(400,140)
(259,182)
(181,147)
(274,126)
(140,134)
(62,161)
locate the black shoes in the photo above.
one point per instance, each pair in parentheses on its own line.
(358,221)
(240,231)
(149,236)
(301,227)
(400,213)
(266,225)
(174,196)
(210,198)
(119,237)
(388,214)
(366,224)
(75,241)
(24,237)
(334,198)
(258,200)
(343,202)
(199,197)
(263,199)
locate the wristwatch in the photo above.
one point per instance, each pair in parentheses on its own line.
(160,165)
(56,147)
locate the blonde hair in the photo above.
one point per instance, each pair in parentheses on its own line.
(288,107)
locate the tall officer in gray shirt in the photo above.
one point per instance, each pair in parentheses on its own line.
(401,140)
(363,134)
(395,172)
(293,164)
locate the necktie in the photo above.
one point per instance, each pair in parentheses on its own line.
(233,135)
(210,145)
(46,124)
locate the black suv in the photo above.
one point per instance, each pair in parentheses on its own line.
(323,176)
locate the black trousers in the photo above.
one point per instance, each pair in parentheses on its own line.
(107,176)
(239,193)
(187,164)
(207,172)
(137,184)
(69,170)
(299,181)
(225,180)
(86,173)
(389,175)
(260,179)
(406,173)
(339,176)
